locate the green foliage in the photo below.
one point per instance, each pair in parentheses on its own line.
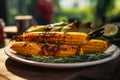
(104,8)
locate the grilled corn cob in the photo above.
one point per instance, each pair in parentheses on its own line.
(94,46)
(55,37)
(30,48)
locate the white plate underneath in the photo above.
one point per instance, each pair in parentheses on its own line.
(113,49)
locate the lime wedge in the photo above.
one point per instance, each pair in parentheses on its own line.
(110,30)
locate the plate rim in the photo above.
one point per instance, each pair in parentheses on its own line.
(60,65)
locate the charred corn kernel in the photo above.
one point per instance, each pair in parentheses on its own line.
(94,46)
(29,49)
(68,50)
(55,37)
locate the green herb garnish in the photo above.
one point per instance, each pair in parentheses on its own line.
(74,59)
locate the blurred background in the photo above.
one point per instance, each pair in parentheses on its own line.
(85,10)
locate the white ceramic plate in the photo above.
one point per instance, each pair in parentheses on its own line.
(114,50)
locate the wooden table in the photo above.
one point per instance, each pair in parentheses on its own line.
(12,70)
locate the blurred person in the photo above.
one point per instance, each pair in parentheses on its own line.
(45,11)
